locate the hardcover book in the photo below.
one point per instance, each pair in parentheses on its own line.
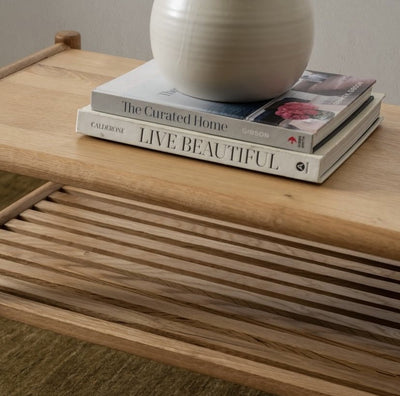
(316,167)
(298,120)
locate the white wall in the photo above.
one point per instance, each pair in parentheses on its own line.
(359,37)
(117,27)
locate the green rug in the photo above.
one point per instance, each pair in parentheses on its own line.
(35,362)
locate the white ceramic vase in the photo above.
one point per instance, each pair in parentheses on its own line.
(232,50)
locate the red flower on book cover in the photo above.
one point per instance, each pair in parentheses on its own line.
(297,111)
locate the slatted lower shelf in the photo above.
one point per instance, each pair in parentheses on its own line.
(252,307)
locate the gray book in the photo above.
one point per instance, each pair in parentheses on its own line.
(299,120)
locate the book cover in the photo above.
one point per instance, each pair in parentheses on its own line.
(314,167)
(298,120)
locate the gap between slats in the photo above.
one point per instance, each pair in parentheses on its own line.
(183,295)
(246,298)
(304,304)
(241,271)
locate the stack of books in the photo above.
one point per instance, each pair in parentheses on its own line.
(305,134)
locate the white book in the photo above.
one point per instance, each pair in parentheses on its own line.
(316,167)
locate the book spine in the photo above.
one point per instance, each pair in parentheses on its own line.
(213,124)
(199,146)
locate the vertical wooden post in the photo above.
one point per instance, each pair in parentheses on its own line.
(68,37)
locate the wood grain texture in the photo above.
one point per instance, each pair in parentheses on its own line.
(258,308)
(357,208)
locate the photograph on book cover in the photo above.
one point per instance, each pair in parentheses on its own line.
(315,100)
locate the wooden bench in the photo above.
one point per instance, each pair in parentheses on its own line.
(279,285)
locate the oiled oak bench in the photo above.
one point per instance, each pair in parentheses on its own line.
(279,285)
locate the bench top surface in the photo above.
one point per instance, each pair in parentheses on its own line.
(357,207)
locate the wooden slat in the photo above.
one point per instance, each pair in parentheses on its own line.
(249,306)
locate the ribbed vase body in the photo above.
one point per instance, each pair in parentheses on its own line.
(232,50)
